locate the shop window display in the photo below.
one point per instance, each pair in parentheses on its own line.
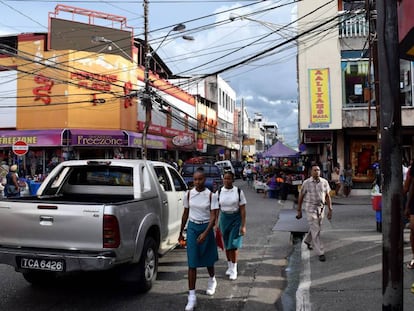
(355,77)
(363,157)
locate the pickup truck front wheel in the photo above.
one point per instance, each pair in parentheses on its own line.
(148,264)
(140,277)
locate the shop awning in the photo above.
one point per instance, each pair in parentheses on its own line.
(98,138)
(34,138)
(80,137)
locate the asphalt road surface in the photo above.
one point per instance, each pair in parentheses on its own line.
(259,287)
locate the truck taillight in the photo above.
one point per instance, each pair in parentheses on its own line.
(111,236)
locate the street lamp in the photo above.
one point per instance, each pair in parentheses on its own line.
(178,28)
(101,39)
(146,99)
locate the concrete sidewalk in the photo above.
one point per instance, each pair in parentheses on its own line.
(351,277)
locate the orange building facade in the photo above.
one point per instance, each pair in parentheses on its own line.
(72,104)
(75,93)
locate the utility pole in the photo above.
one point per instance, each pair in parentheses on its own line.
(147,96)
(389,78)
(241,128)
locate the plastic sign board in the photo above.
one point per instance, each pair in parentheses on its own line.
(20,148)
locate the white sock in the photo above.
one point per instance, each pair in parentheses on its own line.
(234,266)
(191,292)
(212,278)
(229,264)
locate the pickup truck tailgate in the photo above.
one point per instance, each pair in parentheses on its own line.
(54,226)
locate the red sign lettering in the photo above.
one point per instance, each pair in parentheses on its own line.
(94,81)
(42,92)
(127,92)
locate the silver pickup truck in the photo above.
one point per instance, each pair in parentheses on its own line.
(95,215)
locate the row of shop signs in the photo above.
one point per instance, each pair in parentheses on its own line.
(20,140)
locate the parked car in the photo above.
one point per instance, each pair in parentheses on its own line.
(214,177)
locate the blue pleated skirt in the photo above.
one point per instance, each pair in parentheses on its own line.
(230,228)
(204,254)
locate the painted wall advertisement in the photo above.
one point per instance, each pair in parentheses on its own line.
(320,99)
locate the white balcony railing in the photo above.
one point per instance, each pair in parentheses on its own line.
(353,26)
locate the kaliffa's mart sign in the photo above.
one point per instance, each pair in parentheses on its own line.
(320,100)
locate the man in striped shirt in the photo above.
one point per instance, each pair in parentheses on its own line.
(314,194)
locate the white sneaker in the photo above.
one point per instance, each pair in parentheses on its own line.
(192,303)
(211,287)
(233,276)
(233,272)
(229,267)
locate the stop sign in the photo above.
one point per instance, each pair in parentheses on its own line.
(20,148)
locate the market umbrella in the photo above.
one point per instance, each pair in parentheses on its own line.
(279,150)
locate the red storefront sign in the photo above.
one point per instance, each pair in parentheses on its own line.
(176,139)
(200,144)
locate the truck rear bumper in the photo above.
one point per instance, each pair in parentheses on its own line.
(72,261)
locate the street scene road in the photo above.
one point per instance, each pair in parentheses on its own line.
(351,277)
(276,272)
(259,286)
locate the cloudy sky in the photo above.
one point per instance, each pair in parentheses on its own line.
(267,82)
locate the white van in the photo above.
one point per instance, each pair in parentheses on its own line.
(225,165)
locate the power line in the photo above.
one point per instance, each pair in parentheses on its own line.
(136,1)
(198,78)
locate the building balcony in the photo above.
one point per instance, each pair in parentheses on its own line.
(362,117)
(359,116)
(353,26)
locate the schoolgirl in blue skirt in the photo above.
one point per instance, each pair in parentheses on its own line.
(200,213)
(232,221)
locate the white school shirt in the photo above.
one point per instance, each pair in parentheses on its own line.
(200,204)
(229,199)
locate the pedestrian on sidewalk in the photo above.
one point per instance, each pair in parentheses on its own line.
(348,173)
(200,209)
(335,181)
(232,221)
(271,184)
(248,171)
(284,187)
(12,189)
(314,194)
